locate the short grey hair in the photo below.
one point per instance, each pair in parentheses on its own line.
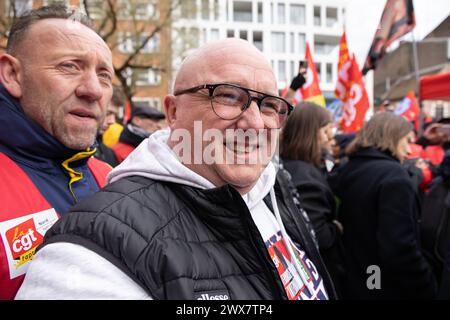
(23,23)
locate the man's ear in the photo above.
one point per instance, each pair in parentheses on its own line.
(10,75)
(170,109)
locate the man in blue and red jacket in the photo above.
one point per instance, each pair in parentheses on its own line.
(55,85)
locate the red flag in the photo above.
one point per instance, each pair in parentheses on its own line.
(409,108)
(344,57)
(356,101)
(397,19)
(311,90)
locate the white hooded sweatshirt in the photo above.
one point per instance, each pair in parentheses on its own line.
(70,271)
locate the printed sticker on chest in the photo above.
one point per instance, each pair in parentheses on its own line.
(22,235)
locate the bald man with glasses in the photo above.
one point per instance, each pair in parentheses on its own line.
(198,211)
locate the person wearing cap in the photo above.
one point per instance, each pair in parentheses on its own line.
(144,121)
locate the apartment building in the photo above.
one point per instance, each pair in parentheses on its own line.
(280,29)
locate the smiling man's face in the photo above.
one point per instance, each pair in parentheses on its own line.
(66,80)
(235,62)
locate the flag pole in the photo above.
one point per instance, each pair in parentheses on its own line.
(417,75)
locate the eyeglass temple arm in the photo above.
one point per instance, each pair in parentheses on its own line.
(191,90)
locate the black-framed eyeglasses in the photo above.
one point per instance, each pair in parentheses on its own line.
(229,101)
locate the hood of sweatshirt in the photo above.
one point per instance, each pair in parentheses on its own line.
(154,159)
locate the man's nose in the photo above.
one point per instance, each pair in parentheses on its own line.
(251,117)
(90,87)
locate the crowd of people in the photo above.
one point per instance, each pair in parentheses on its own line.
(203,207)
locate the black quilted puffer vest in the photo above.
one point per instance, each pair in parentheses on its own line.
(179,242)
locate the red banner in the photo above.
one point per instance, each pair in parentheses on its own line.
(397,19)
(311,89)
(356,101)
(342,78)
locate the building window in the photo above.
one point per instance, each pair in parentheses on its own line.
(297,14)
(331,17)
(281,70)
(281,13)
(96,9)
(292,37)
(243,34)
(153,43)
(230,33)
(215,35)
(301,43)
(20,6)
(294,69)
(319,71)
(329,78)
(205,9)
(146,10)
(272,14)
(278,42)
(216,10)
(147,77)
(260,12)
(323,48)
(188,9)
(124,10)
(242,11)
(258,39)
(125,42)
(317,16)
(128,42)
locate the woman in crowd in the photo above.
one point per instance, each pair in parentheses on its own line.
(306,139)
(379,211)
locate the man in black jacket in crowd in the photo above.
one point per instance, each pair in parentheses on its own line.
(195,212)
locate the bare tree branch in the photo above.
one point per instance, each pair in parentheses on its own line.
(86,8)
(112,14)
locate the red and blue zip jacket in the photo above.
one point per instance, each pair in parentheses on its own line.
(40,179)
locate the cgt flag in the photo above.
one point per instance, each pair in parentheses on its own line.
(409,108)
(356,101)
(397,19)
(310,91)
(344,57)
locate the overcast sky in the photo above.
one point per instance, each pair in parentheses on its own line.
(363,17)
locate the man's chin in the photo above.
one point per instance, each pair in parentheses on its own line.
(80,142)
(241,177)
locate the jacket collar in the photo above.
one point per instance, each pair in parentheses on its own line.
(26,141)
(374,153)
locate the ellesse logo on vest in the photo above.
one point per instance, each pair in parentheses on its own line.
(212,295)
